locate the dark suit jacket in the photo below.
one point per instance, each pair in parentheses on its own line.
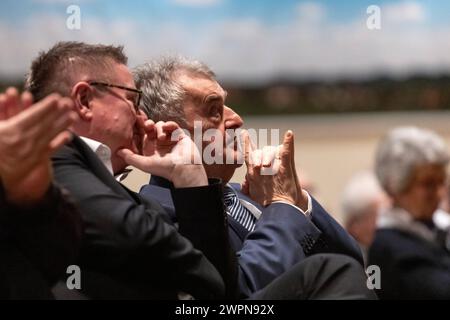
(411,267)
(282,237)
(37,244)
(130,241)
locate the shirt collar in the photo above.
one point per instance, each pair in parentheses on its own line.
(102,151)
(400,219)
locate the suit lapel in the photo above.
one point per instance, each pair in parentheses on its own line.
(99,169)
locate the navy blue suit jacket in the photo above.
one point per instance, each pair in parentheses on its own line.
(282,237)
(411,267)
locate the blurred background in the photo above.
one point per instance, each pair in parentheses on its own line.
(311,66)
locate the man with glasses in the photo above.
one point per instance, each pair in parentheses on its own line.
(130,250)
(130,247)
(135,95)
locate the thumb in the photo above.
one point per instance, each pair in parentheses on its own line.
(247,147)
(287,153)
(131,158)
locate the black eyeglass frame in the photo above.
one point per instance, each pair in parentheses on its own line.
(105,84)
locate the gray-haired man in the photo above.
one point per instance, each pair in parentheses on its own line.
(284,225)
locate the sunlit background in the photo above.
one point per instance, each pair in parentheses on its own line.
(311,66)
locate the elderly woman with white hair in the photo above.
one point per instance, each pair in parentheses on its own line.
(411,167)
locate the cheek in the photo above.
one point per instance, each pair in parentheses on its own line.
(126,122)
(414,197)
(421,196)
(427,198)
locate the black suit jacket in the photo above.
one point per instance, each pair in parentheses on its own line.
(130,240)
(37,244)
(411,267)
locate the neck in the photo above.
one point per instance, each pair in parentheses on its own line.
(118,164)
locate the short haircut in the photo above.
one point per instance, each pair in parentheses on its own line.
(402,151)
(162,98)
(57,69)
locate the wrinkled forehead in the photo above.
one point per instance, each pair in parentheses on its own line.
(199,87)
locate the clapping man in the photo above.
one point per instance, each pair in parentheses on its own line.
(40,227)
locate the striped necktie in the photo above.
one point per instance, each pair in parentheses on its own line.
(235,209)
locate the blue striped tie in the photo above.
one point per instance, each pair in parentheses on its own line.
(235,209)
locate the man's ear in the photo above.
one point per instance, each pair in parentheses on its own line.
(82,94)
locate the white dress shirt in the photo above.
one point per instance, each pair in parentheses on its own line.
(102,151)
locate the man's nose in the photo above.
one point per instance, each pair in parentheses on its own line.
(232,119)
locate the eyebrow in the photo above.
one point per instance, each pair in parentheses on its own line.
(215,97)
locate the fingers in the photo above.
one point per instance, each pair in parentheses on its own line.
(160,134)
(26,99)
(165,129)
(256,158)
(129,156)
(45,140)
(142,115)
(12,102)
(46,110)
(139,126)
(47,118)
(62,124)
(248,147)
(60,140)
(291,145)
(44,121)
(287,152)
(134,159)
(150,129)
(268,156)
(270,161)
(170,126)
(245,187)
(2,106)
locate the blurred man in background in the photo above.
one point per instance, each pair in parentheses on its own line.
(362,201)
(130,250)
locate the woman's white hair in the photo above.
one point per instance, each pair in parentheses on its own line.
(404,149)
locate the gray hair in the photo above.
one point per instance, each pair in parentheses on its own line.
(162,98)
(401,151)
(360,193)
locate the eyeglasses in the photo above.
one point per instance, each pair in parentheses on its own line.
(137,99)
